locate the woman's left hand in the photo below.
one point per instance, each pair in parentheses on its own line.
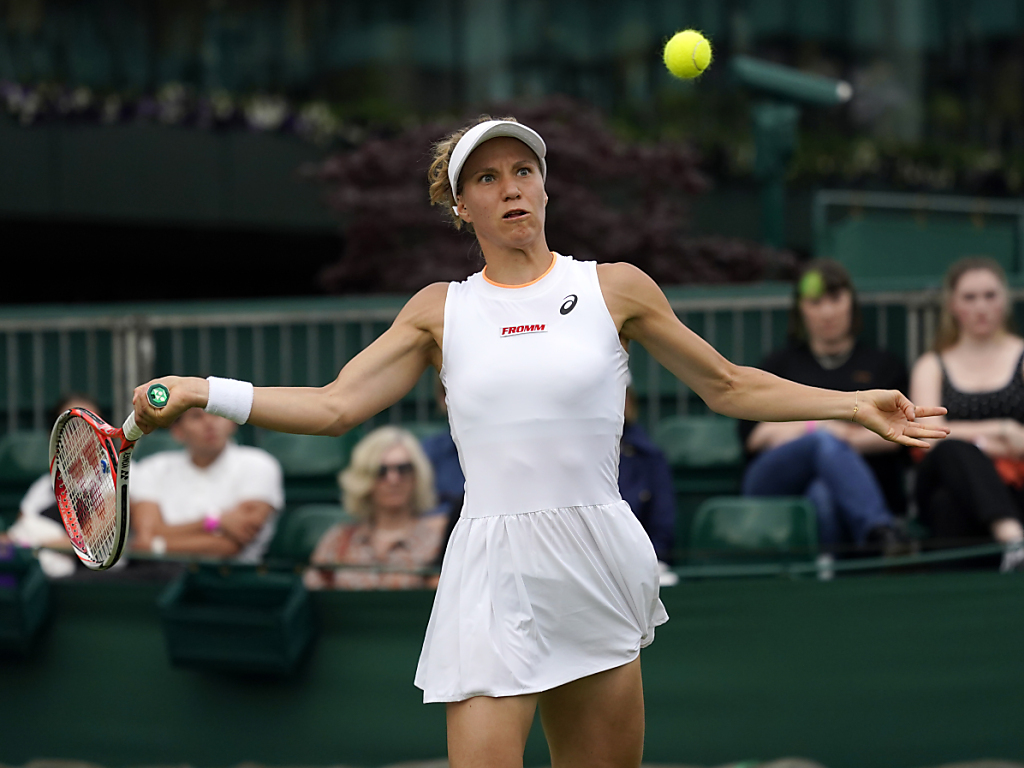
(891,415)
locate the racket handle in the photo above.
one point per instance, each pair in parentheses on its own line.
(157,395)
(131,429)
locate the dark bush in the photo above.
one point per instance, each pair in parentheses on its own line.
(610,200)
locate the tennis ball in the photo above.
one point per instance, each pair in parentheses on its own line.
(687,54)
(812,285)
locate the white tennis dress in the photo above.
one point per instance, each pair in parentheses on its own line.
(548,576)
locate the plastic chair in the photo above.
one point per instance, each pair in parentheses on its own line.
(299,530)
(157,441)
(706,458)
(310,464)
(698,442)
(24,456)
(307,455)
(745,529)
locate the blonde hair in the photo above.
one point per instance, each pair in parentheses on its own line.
(359,477)
(440,187)
(948,333)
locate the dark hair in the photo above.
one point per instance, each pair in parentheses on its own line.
(832,278)
(65,400)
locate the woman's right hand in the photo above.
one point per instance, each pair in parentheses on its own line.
(184,393)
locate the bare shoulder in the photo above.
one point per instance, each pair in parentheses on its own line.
(427,302)
(629,292)
(927,365)
(622,276)
(425,310)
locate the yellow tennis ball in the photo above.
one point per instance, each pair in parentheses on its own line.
(687,54)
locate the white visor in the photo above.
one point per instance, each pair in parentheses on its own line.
(492,129)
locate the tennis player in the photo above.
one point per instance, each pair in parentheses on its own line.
(549,586)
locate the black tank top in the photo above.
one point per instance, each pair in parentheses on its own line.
(1005,403)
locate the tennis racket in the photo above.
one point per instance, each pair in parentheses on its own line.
(89,467)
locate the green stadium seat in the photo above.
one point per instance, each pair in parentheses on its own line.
(24,456)
(158,441)
(310,463)
(699,442)
(743,529)
(299,530)
(306,455)
(706,458)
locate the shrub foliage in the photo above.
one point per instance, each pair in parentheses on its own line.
(609,200)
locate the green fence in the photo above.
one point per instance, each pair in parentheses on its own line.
(106,350)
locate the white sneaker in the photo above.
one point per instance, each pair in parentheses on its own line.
(1013,558)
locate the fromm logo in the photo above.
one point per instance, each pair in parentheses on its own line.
(517,329)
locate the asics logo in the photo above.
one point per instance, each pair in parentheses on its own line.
(568,303)
(514,330)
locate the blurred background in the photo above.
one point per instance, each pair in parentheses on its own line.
(237,188)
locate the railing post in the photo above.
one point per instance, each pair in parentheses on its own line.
(133,362)
(118,376)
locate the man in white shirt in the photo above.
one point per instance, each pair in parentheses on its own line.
(214,499)
(38,523)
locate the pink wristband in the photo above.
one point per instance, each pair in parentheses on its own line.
(211,524)
(810,426)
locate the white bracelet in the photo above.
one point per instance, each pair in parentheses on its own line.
(230,398)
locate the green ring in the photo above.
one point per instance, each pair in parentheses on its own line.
(158,395)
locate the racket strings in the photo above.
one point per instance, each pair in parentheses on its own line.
(87,494)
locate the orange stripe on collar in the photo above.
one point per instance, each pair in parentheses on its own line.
(554,259)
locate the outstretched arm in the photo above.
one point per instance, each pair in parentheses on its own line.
(374,379)
(642,313)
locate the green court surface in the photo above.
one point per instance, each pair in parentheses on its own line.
(871,671)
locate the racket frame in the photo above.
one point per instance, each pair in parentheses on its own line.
(118,450)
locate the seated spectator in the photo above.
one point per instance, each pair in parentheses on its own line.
(39,523)
(389,488)
(449,482)
(213,499)
(645,482)
(853,476)
(970,486)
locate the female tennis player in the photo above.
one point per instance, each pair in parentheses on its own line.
(549,586)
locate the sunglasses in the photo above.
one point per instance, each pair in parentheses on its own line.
(403,470)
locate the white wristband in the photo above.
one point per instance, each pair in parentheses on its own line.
(230,398)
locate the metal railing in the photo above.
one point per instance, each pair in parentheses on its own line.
(107,355)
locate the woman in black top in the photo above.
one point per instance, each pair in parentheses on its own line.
(854,478)
(971,487)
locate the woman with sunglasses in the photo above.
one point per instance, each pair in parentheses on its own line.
(549,586)
(388,487)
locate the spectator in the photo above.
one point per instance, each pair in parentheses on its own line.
(853,476)
(389,488)
(215,498)
(449,481)
(971,486)
(39,523)
(645,482)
